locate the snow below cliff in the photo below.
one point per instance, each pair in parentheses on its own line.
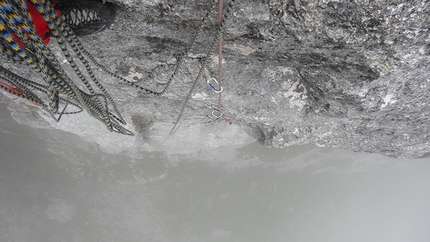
(57,186)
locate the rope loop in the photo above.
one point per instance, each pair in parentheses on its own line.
(215,112)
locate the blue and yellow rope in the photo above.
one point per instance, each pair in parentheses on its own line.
(15,19)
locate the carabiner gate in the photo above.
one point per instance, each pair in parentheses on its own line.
(212,86)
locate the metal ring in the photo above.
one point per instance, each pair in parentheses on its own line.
(212,86)
(217,111)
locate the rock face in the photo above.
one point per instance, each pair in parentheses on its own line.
(340,73)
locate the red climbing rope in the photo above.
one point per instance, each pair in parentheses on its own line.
(220,8)
(220,88)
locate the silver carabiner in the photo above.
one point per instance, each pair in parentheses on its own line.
(212,86)
(220,114)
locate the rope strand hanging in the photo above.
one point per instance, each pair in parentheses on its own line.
(220,8)
(20,43)
(205,60)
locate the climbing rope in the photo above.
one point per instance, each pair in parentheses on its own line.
(23,90)
(203,70)
(21,44)
(220,7)
(16,24)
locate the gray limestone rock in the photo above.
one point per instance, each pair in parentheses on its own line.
(335,73)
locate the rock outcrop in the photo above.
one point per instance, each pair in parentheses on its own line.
(335,73)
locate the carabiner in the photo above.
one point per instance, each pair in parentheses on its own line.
(212,86)
(217,111)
